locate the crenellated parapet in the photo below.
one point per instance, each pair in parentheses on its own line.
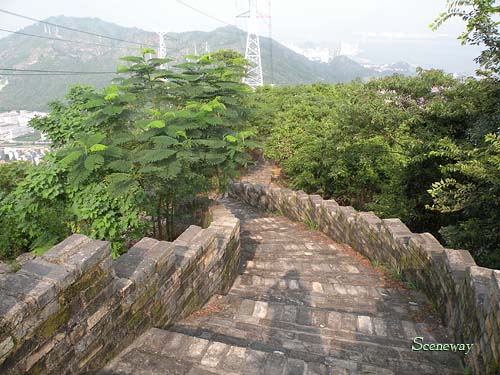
(72,309)
(466,295)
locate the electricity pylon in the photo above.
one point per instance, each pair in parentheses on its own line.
(252,51)
(162,48)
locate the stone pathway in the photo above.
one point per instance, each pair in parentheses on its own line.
(302,304)
(264,172)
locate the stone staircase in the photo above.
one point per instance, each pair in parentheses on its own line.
(302,304)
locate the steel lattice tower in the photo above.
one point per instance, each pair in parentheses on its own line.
(252,52)
(162,48)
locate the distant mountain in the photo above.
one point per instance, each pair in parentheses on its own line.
(33,93)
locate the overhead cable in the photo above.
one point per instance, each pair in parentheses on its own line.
(61,39)
(14,71)
(204,13)
(77,30)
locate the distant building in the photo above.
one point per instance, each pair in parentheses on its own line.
(346,49)
(32,154)
(325,54)
(312,53)
(14,124)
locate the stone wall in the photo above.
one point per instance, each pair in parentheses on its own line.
(72,309)
(467,296)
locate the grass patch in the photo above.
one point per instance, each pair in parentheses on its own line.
(14,265)
(394,273)
(311,224)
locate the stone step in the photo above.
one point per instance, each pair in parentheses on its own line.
(326,263)
(309,263)
(313,334)
(325,277)
(376,309)
(168,352)
(282,240)
(346,303)
(250,317)
(165,352)
(317,284)
(351,352)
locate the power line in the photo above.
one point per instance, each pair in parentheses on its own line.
(14,71)
(77,30)
(47,74)
(204,13)
(60,39)
(50,71)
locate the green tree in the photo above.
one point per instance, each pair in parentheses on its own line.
(481,18)
(163,133)
(33,213)
(471,188)
(136,153)
(65,119)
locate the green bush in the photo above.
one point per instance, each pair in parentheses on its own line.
(419,148)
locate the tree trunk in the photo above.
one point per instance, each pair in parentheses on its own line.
(158,219)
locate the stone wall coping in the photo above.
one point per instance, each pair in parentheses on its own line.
(42,285)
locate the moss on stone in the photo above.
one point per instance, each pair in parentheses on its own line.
(192,301)
(493,368)
(14,265)
(135,320)
(53,322)
(116,313)
(83,283)
(94,289)
(37,369)
(142,300)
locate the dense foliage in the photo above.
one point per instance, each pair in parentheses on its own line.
(126,159)
(424,149)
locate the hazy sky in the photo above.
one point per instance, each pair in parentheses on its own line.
(386,30)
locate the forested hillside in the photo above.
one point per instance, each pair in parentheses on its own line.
(34,92)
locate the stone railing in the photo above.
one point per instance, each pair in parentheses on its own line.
(467,296)
(72,309)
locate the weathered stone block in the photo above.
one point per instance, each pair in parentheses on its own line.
(185,238)
(141,247)
(59,274)
(31,290)
(457,262)
(36,356)
(78,251)
(5,347)
(160,253)
(63,250)
(135,268)
(12,311)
